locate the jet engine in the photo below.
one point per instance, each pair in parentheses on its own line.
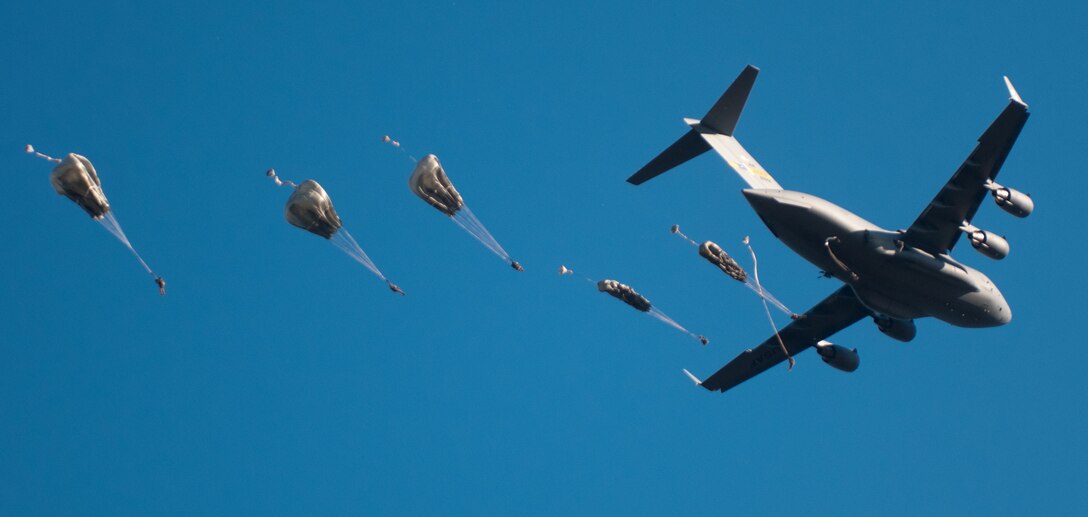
(838,356)
(1011,200)
(901,330)
(990,244)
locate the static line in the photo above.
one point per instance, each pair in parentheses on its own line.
(827,244)
(766,308)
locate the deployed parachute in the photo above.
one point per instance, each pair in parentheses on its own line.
(625,293)
(717,256)
(728,265)
(75,178)
(628,295)
(310,208)
(430,183)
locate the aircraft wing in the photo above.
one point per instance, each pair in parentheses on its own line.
(834,313)
(938,228)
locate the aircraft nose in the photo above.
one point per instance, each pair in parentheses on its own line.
(1003,314)
(1000,313)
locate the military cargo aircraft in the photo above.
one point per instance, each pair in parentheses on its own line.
(893,277)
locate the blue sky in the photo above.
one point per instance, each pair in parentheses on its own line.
(280,377)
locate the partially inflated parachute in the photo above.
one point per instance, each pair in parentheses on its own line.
(75,178)
(628,295)
(717,256)
(625,293)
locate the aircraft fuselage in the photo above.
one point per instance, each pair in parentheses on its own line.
(889,277)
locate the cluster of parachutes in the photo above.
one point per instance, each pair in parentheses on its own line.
(310,208)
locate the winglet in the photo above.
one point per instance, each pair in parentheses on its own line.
(1013,96)
(693,378)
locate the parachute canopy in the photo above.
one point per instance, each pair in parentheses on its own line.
(717,256)
(76,179)
(430,183)
(310,208)
(625,293)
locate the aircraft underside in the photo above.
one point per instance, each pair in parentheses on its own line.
(892,277)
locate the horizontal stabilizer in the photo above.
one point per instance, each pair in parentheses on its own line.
(715,131)
(687,147)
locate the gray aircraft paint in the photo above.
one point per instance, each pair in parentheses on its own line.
(892,276)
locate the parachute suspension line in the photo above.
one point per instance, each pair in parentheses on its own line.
(468,221)
(676,230)
(109,222)
(30,150)
(388,140)
(664,318)
(766,308)
(342,239)
(766,295)
(271,173)
(827,244)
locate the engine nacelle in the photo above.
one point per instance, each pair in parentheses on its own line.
(838,356)
(988,243)
(1013,201)
(901,330)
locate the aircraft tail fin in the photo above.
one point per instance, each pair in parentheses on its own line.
(724,115)
(715,131)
